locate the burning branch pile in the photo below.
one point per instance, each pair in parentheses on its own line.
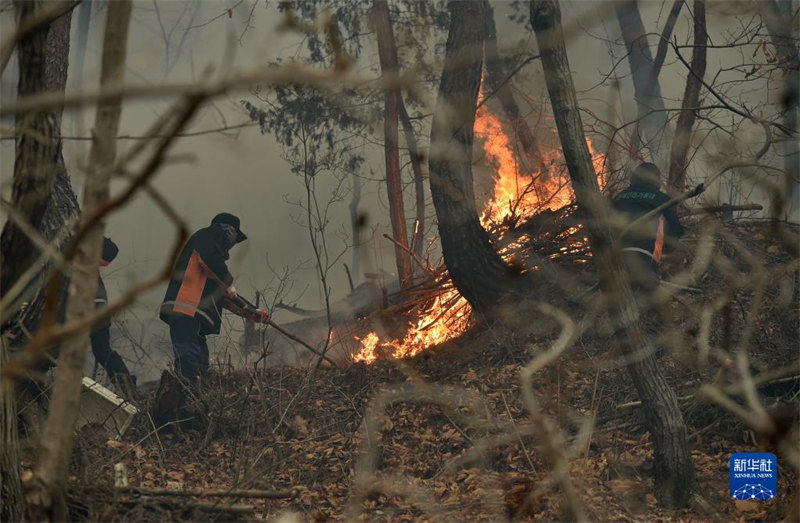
(530,217)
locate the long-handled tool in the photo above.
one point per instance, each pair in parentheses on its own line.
(249,308)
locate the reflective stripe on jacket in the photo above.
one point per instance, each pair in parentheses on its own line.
(191,292)
(100,301)
(658,247)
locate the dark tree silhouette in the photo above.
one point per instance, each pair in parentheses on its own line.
(674,473)
(388,60)
(477,270)
(652,129)
(676,180)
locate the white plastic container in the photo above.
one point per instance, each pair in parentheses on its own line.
(101,406)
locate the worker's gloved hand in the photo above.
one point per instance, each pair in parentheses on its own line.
(230,293)
(261,316)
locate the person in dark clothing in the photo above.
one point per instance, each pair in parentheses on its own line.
(643,245)
(200,287)
(100,335)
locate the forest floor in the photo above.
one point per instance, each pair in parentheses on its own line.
(449,435)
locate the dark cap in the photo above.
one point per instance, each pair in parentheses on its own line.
(646,173)
(109,252)
(227,218)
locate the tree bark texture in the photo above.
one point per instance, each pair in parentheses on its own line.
(48,490)
(38,147)
(478,272)
(40,73)
(388,59)
(666,35)
(39,176)
(651,133)
(12,503)
(691,96)
(497,80)
(778,17)
(674,473)
(76,80)
(419,180)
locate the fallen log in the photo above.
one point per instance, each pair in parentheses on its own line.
(783,375)
(208,493)
(725,208)
(167,504)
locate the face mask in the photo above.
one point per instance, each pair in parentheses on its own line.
(230,233)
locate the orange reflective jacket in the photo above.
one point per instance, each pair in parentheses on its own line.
(191,292)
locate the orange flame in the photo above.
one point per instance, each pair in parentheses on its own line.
(437,324)
(516,194)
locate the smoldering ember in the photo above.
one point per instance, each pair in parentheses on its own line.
(399,260)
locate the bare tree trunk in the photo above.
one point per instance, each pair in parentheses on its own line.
(674,473)
(82,33)
(652,123)
(691,97)
(419,180)
(48,491)
(388,59)
(36,158)
(43,67)
(39,175)
(478,272)
(663,43)
(779,24)
(12,504)
(496,78)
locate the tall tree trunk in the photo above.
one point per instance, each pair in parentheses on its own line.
(39,176)
(37,149)
(43,67)
(12,504)
(663,43)
(497,80)
(76,82)
(478,272)
(674,473)
(388,59)
(691,97)
(57,227)
(419,180)
(780,19)
(652,129)
(48,491)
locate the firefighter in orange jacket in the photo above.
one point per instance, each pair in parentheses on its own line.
(200,287)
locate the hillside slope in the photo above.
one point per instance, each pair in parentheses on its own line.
(445,435)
